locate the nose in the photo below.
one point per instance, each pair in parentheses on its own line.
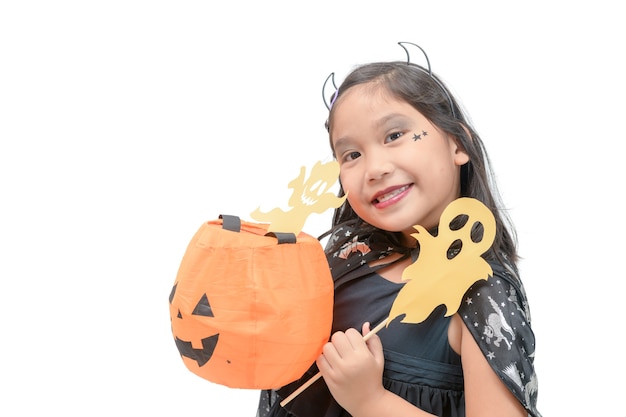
(378,166)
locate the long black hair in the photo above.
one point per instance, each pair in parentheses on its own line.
(429,95)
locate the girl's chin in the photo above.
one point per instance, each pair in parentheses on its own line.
(405,228)
(394,227)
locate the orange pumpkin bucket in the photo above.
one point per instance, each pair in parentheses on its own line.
(250,309)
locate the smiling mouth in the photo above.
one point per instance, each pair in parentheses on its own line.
(390,195)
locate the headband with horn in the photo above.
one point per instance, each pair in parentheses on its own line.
(328,102)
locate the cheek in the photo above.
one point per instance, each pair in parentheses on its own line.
(348,183)
(354,196)
(342,178)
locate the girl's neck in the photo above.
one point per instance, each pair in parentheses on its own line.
(393,271)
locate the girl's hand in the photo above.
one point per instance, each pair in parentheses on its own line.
(353,368)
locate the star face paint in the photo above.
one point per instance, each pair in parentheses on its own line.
(417,137)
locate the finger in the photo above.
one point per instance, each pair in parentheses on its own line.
(347,341)
(356,340)
(322,363)
(339,346)
(330,353)
(340,342)
(353,334)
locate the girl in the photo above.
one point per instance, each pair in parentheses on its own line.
(406,151)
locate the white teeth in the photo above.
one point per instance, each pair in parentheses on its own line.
(392,194)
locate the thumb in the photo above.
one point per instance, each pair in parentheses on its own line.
(374,344)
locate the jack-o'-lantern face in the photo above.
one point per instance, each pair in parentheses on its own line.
(269,287)
(202,354)
(248,312)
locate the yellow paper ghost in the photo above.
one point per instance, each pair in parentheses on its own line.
(311,196)
(437,277)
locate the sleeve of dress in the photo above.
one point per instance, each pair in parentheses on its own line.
(497,314)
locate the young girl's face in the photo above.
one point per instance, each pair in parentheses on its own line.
(397,168)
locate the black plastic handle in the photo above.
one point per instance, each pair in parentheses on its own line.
(233,223)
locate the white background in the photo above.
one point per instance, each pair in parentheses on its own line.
(126,124)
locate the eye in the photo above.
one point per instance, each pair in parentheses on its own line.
(393,136)
(351,156)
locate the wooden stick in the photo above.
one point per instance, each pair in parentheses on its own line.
(319,374)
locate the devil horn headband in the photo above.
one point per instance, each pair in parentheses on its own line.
(408,56)
(429,72)
(333,96)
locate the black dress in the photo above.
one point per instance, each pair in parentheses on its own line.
(420,365)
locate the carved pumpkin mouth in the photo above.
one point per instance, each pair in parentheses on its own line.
(200,355)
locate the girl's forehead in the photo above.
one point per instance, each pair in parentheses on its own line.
(364,94)
(369,89)
(375,100)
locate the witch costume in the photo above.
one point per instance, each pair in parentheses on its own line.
(420,366)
